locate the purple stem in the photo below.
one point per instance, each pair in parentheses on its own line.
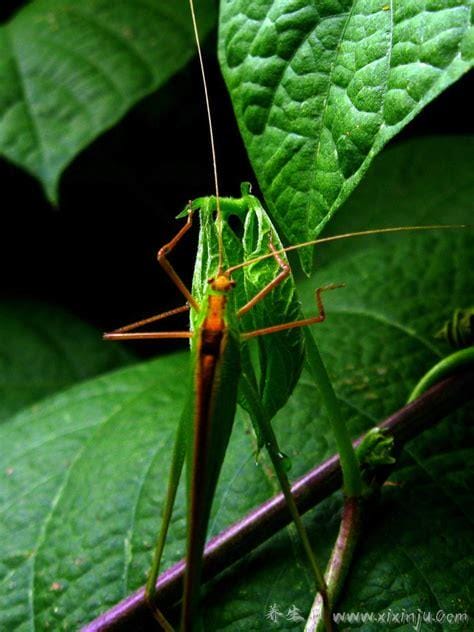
(264,521)
(339,563)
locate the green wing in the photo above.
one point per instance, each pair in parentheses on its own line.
(204,463)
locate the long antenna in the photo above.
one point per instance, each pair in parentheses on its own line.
(362,233)
(211,135)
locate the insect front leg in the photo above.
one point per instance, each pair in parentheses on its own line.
(168,268)
(284,272)
(122,333)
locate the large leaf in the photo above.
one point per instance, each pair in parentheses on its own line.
(319,88)
(85,470)
(43,349)
(70,70)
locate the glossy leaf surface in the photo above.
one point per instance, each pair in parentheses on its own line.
(319,88)
(83,473)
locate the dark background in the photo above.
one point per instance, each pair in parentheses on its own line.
(95,253)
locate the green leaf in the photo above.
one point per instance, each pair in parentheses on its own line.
(82,474)
(43,349)
(319,88)
(73,474)
(71,70)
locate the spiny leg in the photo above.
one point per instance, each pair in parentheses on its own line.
(179,452)
(160,618)
(150,319)
(271,441)
(123,333)
(168,268)
(149,335)
(284,272)
(297,323)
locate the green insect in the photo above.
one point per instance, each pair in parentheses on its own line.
(219,353)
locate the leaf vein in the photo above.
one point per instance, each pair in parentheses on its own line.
(125,44)
(387,321)
(26,99)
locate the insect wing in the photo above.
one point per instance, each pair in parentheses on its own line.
(280,355)
(215,405)
(247,233)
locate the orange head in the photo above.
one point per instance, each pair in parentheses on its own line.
(221,283)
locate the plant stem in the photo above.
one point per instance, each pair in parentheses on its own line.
(264,521)
(446,366)
(339,563)
(351,476)
(350,527)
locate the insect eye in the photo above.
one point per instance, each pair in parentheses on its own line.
(211,280)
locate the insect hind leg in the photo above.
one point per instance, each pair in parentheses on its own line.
(297,323)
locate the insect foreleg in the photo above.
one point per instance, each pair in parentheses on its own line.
(147,321)
(123,333)
(297,323)
(284,272)
(168,268)
(149,335)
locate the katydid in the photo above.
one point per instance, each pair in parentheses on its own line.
(216,347)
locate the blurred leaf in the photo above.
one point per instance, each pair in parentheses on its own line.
(82,475)
(43,349)
(71,70)
(319,88)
